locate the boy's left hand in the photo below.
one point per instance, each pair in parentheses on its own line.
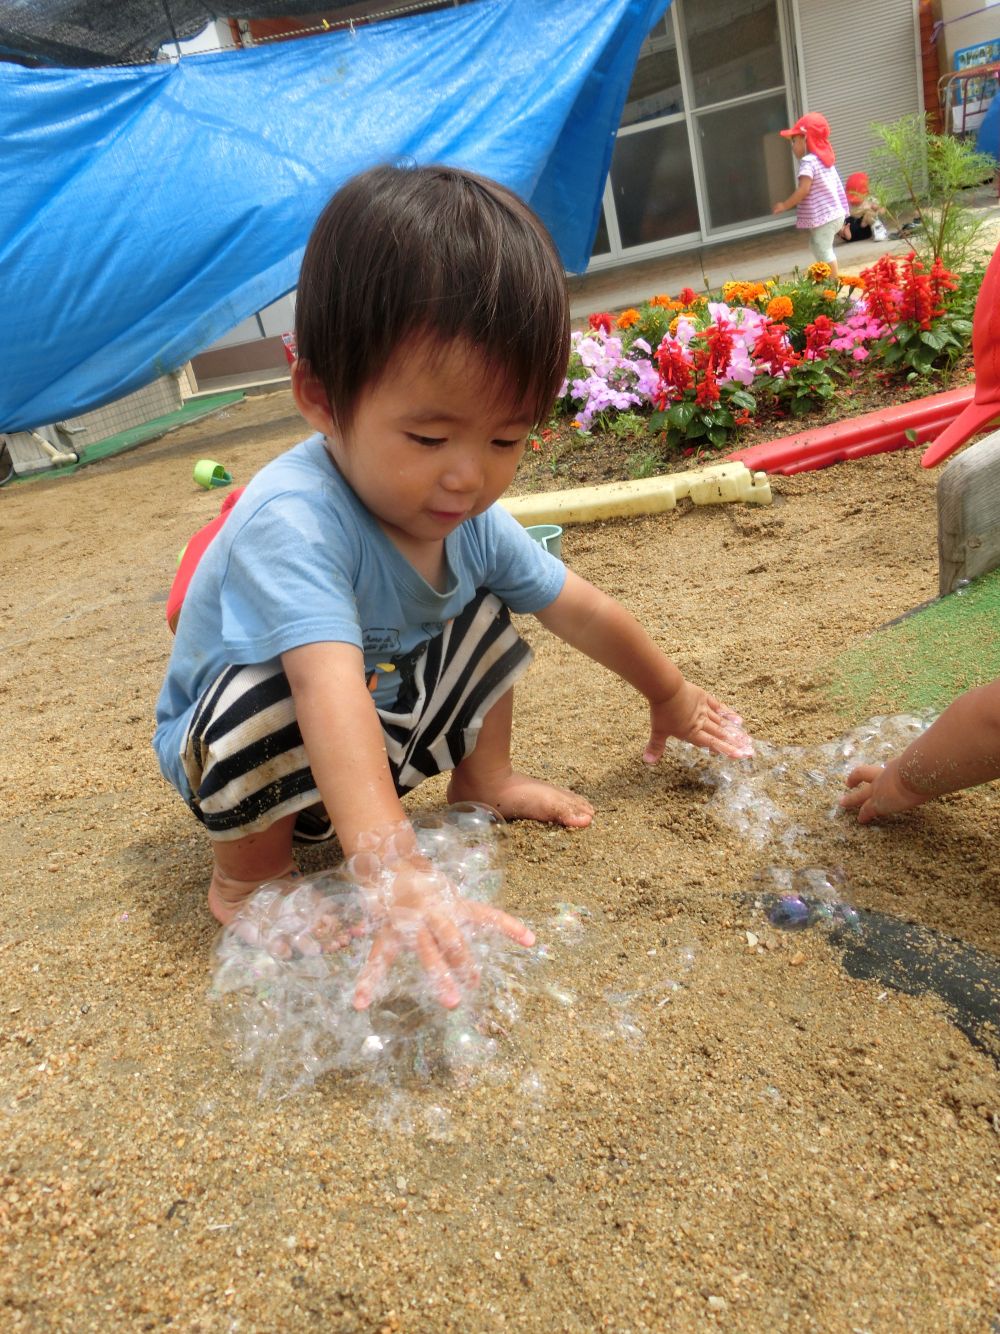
(691,714)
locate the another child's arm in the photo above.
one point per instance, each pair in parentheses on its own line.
(343,739)
(961,749)
(591,621)
(796,198)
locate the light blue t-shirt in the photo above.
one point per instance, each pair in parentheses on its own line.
(300,560)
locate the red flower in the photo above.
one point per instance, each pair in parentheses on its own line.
(942,280)
(600,321)
(707,392)
(675,371)
(882,290)
(719,338)
(818,335)
(916,303)
(773,349)
(688,295)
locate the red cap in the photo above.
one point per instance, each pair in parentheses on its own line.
(816,129)
(856,186)
(985,403)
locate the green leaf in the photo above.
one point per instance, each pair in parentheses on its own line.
(659,421)
(680,414)
(743,399)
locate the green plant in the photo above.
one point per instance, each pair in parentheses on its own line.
(805,387)
(645,464)
(918,171)
(690,422)
(625,424)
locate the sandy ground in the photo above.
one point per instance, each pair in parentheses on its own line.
(785,1148)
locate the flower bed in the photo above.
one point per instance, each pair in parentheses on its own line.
(692,372)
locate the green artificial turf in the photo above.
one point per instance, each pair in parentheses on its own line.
(139,435)
(922,661)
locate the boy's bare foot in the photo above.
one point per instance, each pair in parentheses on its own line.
(520,797)
(226,895)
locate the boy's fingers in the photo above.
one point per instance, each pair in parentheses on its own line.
(654,748)
(381,957)
(863,773)
(433,964)
(449,940)
(481,914)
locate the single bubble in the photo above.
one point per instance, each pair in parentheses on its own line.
(532,1087)
(628,1029)
(849,917)
(790,913)
(437,1122)
(820,914)
(818,882)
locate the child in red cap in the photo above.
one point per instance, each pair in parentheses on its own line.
(864,223)
(819,199)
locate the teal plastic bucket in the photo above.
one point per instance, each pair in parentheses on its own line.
(548,535)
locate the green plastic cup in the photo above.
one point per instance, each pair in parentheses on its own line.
(208,473)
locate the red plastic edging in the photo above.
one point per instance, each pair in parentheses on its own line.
(883,430)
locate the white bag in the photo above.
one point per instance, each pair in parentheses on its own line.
(879,232)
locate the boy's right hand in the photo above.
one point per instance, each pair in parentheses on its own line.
(878,790)
(422,913)
(691,714)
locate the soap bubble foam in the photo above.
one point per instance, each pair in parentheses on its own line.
(286,968)
(769,799)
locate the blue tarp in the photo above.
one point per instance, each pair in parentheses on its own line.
(146,210)
(988,135)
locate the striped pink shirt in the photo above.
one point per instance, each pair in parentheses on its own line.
(826,200)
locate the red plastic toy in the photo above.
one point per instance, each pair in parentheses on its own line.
(193,553)
(985,405)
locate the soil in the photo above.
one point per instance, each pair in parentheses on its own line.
(785,1147)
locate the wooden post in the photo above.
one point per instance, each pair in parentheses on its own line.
(968,499)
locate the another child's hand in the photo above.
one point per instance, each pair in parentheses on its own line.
(691,714)
(423,914)
(779,207)
(878,790)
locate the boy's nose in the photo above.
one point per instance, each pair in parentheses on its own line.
(464,473)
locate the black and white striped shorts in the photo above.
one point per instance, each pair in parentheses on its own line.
(243,753)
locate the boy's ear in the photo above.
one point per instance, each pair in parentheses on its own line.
(311,398)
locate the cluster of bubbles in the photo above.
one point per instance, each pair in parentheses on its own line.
(807,896)
(766,798)
(287,967)
(755,795)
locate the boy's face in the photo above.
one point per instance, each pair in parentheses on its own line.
(429,445)
(798,142)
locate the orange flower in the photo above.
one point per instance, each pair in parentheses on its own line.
(743,293)
(627,318)
(829,294)
(852,280)
(661,301)
(820,272)
(780,308)
(673,325)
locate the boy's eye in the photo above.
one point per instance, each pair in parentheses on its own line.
(425,439)
(508,444)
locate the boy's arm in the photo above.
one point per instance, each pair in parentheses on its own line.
(595,624)
(961,749)
(343,738)
(801,191)
(342,735)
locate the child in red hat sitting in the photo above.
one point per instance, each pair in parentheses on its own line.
(864,222)
(819,199)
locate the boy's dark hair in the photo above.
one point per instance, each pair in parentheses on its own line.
(402,251)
